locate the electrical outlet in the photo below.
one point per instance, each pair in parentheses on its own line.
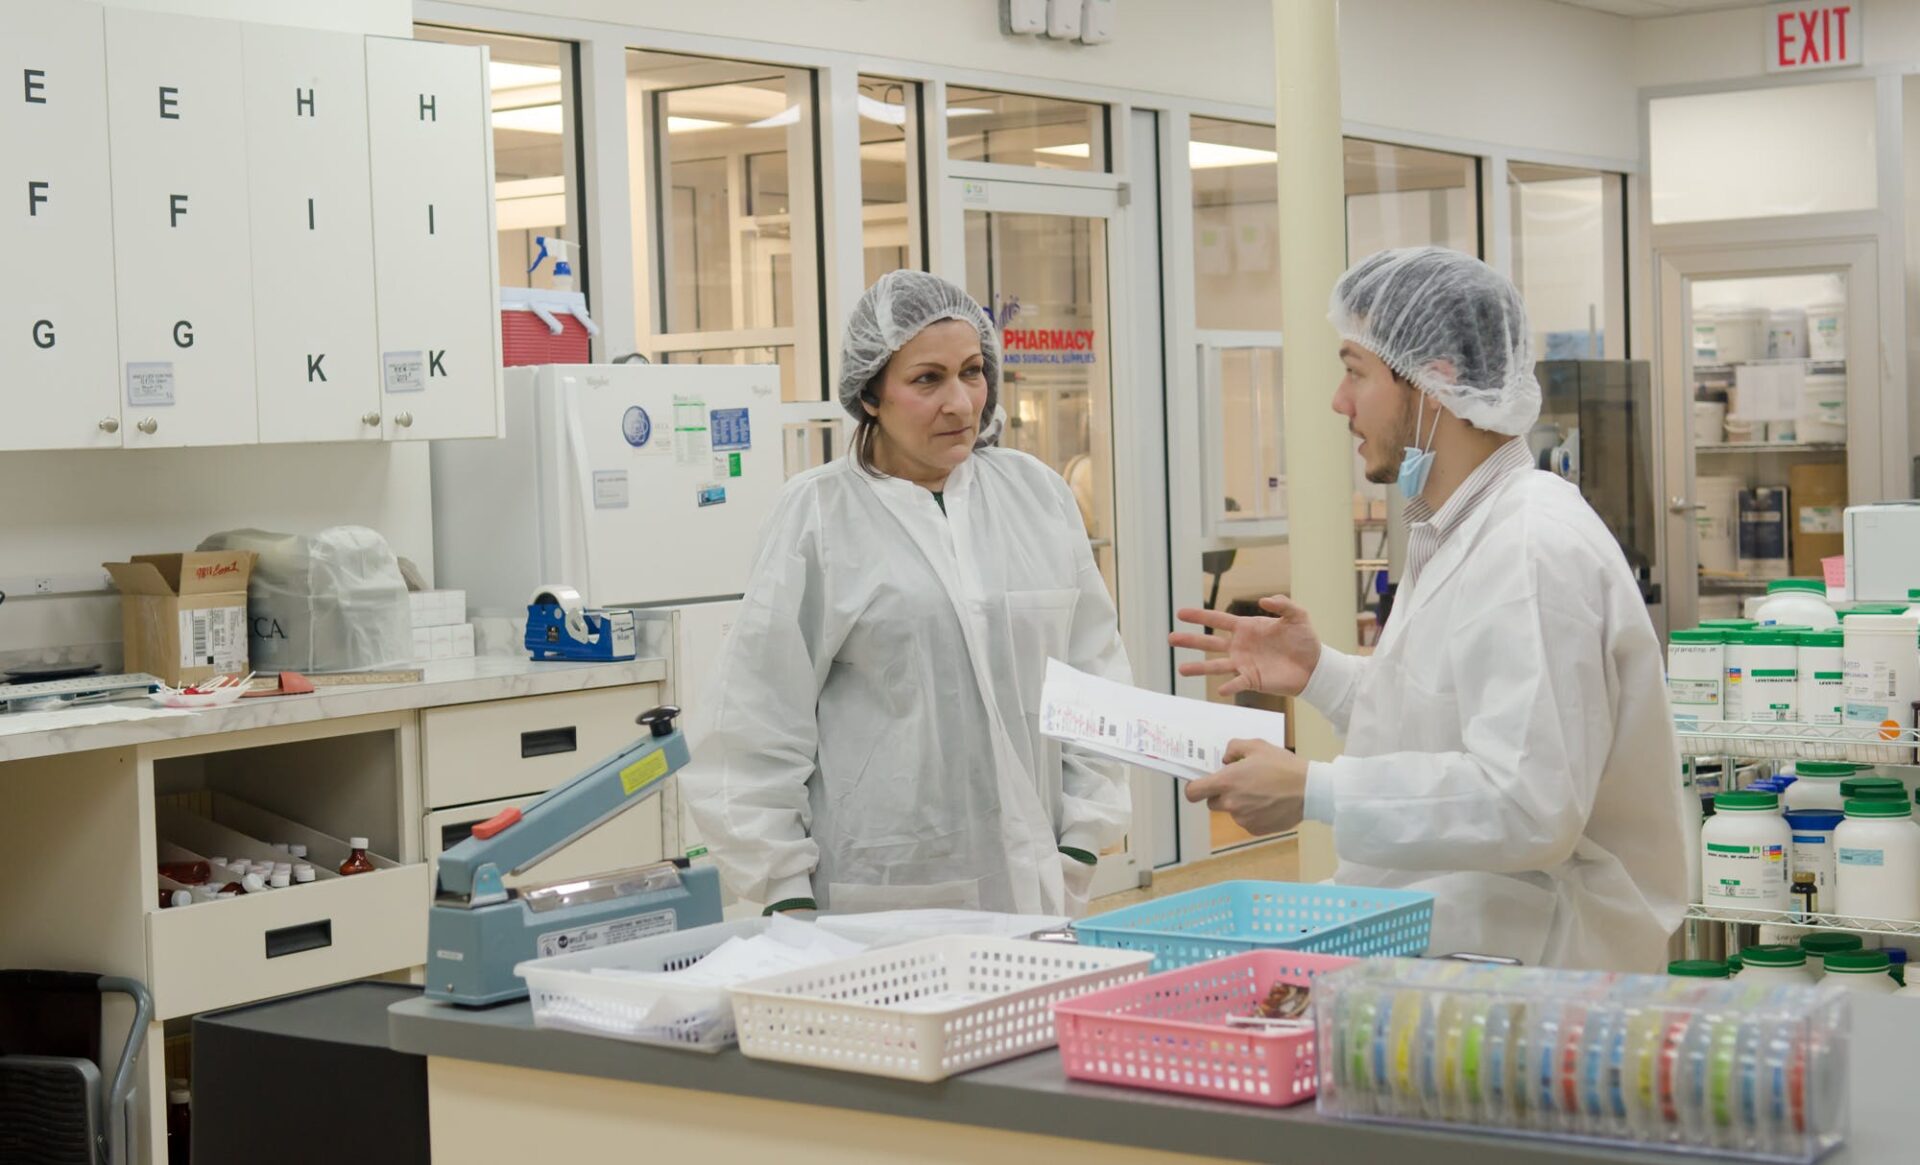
(1023,17)
(42,586)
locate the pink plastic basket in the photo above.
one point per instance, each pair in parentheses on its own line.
(1168,1032)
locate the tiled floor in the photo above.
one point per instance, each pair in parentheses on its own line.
(1273,861)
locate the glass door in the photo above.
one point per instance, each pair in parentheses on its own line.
(1772,417)
(1037,257)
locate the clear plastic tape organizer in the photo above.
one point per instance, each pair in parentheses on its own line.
(601,991)
(1687,1065)
(926,1010)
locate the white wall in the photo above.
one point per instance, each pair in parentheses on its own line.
(1523,73)
(66,513)
(1732,43)
(1528,74)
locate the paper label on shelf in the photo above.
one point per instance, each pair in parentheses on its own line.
(1820,520)
(605,934)
(1768,392)
(404,371)
(731,430)
(150,385)
(215,638)
(609,489)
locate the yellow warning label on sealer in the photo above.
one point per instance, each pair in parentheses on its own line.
(643,772)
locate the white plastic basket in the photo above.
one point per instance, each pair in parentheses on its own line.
(567,995)
(926,1010)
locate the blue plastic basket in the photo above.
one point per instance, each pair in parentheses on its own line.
(1231,918)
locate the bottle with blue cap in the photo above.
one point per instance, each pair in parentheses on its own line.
(562,262)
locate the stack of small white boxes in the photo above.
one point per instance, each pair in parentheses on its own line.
(440,627)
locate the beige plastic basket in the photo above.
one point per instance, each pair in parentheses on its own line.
(926,1010)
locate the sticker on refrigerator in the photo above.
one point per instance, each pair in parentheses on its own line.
(150,385)
(1820,520)
(726,466)
(731,430)
(637,427)
(609,489)
(690,437)
(404,371)
(713,495)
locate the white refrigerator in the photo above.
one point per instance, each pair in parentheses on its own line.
(639,485)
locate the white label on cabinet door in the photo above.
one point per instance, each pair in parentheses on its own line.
(620,930)
(150,385)
(405,371)
(609,489)
(1820,520)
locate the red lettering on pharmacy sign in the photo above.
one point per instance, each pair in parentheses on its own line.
(1813,36)
(1047,345)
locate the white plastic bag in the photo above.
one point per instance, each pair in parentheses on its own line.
(326,602)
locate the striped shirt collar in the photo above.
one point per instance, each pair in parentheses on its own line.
(1428,531)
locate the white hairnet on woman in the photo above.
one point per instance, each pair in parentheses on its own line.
(874,739)
(1449,325)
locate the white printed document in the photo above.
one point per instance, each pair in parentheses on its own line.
(1183,738)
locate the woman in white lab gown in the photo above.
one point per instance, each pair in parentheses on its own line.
(874,736)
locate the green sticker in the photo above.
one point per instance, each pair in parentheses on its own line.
(733,465)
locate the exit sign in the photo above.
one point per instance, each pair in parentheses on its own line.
(1813,36)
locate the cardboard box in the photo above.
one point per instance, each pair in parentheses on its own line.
(183,617)
(1818,494)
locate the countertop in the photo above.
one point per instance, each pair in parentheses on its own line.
(455,681)
(1033,1095)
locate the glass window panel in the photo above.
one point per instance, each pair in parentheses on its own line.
(783,356)
(1236,222)
(1761,153)
(1398,196)
(1569,259)
(810,444)
(889,160)
(1015,129)
(533,116)
(723,137)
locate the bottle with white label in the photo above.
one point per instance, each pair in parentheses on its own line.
(1696,672)
(1775,965)
(1877,859)
(1881,658)
(1763,675)
(1744,861)
(1823,676)
(1867,972)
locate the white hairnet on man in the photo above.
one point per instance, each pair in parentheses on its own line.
(875,741)
(1508,745)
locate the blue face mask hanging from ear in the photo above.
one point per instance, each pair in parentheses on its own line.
(1416,463)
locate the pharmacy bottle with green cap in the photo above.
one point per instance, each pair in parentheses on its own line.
(1818,786)
(1871,789)
(1868,972)
(1745,847)
(1775,965)
(1877,854)
(1698,968)
(1819,946)
(1800,601)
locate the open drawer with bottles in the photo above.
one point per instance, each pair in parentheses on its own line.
(258,890)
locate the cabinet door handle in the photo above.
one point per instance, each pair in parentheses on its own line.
(110,425)
(404,420)
(148,426)
(370,418)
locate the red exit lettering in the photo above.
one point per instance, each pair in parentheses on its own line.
(1813,36)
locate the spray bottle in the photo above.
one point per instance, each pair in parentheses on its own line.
(562,263)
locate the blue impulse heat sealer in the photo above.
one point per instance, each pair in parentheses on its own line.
(560,626)
(478,931)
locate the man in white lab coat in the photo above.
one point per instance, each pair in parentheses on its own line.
(1509,745)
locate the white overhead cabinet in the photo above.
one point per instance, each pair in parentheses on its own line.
(57,332)
(435,258)
(316,358)
(183,278)
(226,234)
